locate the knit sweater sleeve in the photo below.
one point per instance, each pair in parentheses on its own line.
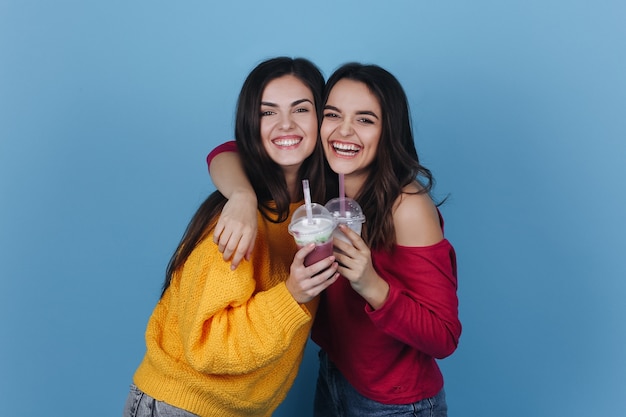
(226,326)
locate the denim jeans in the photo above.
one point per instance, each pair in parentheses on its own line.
(140,404)
(334,396)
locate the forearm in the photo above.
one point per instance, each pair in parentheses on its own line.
(247,336)
(222,320)
(418,325)
(235,231)
(422,305)
(229,176)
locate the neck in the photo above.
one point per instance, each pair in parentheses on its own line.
(353,183)
(293,185)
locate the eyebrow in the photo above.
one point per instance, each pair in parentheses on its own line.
(293,104)
(361,112)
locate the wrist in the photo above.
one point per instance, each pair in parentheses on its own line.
(376,294)
(244,195)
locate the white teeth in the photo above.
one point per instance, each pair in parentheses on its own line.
(346,149)
(287,142)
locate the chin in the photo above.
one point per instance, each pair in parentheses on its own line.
(341,166)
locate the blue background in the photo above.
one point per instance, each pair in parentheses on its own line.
(107,110)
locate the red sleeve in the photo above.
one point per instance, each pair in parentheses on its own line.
(422,308)
(230,146)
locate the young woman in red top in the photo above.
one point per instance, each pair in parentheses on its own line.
(395,311)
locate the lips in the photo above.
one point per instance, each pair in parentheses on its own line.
(287,141)
(345,149)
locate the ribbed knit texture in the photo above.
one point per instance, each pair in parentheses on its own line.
(228,343)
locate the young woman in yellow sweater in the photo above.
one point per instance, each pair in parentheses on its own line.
(224,342)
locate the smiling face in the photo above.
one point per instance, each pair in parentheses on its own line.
(351,128)
(288,121)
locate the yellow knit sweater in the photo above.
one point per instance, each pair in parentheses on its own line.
(228,343)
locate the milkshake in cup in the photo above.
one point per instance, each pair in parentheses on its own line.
(346,211)
(316,228)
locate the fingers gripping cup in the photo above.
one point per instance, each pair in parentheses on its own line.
(346,211)
(316,228)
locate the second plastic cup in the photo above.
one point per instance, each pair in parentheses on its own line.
(319,230)
(346,211)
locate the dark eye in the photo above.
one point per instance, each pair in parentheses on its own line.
(267,113)
(366,121)
(302,110)
(331,115)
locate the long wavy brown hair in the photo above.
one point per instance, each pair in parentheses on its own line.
(396,164)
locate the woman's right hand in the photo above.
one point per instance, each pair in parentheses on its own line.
(236,230)
(307,282)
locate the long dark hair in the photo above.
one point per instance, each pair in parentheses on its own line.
(265,175)
(396,163)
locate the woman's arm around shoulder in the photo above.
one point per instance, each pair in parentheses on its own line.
(236,229)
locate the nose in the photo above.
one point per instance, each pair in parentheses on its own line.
(286,121)
(346,127)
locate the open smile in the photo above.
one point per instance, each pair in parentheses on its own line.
(287,141)
(345,149)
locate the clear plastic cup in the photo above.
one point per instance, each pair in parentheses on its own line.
(346,211)
(319,231)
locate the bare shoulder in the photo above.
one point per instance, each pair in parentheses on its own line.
(416,219)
